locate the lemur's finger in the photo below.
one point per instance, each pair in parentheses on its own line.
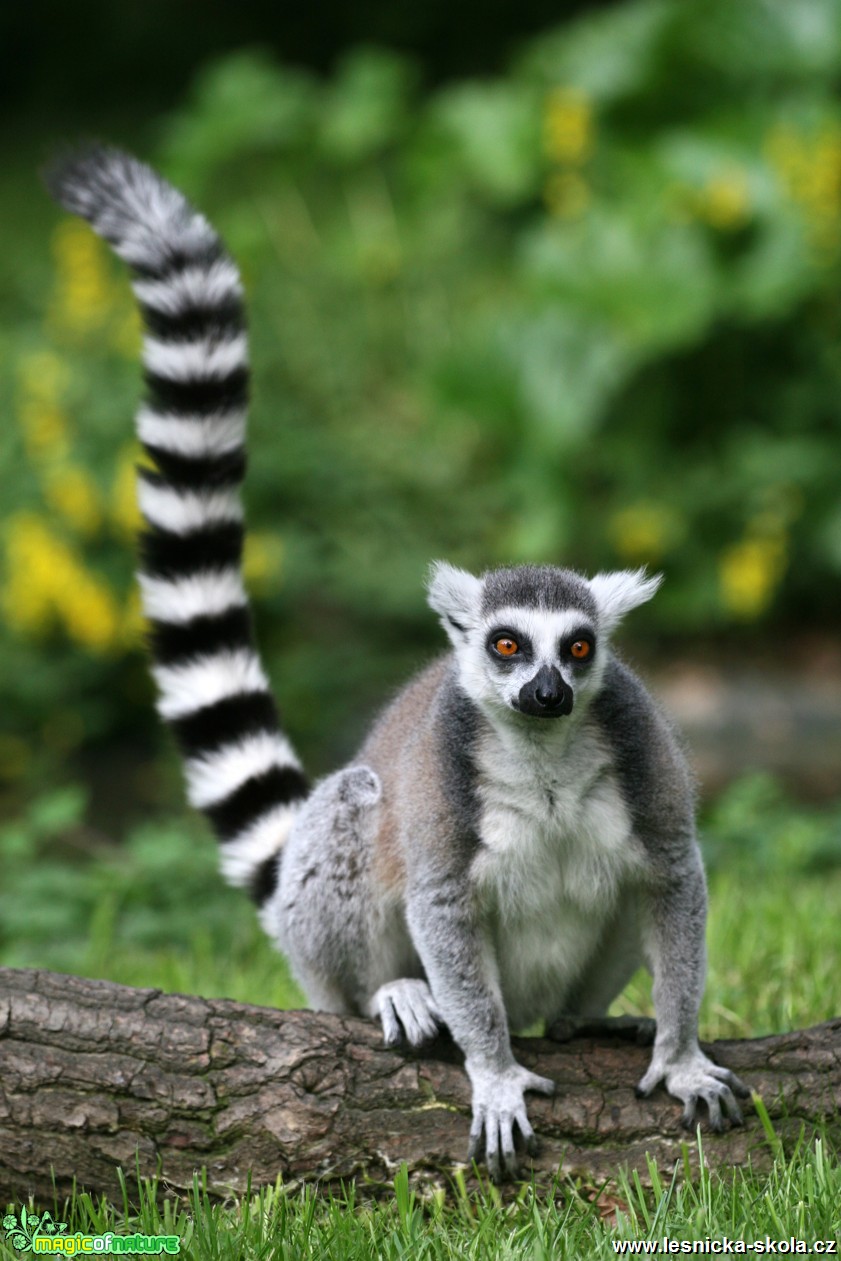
(412,1027)
(509,1154)
(492,1148)
(392,1032)
(648,1082)
(730,1079)
(731,1108)
(713,1102)
(477,1127)
(543,1085)
(424,1017)
(689,1111)
(531,1142)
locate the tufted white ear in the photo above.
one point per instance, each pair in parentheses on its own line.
(455,595)
(618,592)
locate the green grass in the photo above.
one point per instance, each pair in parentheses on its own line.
(799,1197)
(151,912)
(773,962)
(154,913)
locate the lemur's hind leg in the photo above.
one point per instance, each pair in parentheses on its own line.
(344,937)
(324,913)
(346,941)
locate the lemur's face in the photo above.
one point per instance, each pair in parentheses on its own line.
(533,641)
(535,661)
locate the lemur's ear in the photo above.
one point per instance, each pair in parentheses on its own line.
(618,592)
(455,595)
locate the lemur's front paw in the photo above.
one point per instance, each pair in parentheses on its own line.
(406,1011)
(498,1106)
(694,1078)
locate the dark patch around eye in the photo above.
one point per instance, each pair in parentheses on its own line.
(523,649)
(583,635)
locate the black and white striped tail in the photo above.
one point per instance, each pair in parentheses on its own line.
(241,770)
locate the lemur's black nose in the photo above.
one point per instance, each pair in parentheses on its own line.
(546,695)
(548,687)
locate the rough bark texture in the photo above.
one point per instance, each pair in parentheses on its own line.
(95,1076)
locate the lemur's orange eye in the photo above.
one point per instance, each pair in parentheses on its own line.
(581,649)
(506,646)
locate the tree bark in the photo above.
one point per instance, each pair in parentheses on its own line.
(94,1076)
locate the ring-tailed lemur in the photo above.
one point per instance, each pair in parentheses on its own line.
(516,835)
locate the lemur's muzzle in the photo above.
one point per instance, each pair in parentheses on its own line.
(546,695)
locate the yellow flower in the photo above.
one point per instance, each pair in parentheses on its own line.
(724,202)
(749,572)
(567,194)
(643,532)
(46,431)
(43,375)
(83,295)
(42,380)
(25,594)
(262,560)
(47,585)
(73,494)
(809,168)
(568,126)
(133,624)
(125,513)
(127,332)
(91,614)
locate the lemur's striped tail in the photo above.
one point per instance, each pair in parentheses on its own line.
(240,768)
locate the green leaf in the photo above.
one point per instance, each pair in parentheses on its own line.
(495,128)
(628,274)
(57,811)
(241,103)
(764,40)
(367,107)
(568,369)
(606,55)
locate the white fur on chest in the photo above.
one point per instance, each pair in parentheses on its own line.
(557,846)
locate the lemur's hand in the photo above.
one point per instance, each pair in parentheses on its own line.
(499,1107)
(407,1012)
(692,1078)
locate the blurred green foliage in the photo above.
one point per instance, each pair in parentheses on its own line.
(584,312)
(152,911)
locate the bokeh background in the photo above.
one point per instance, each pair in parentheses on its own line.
(540,282)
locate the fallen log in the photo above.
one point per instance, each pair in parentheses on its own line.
(94,1076)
